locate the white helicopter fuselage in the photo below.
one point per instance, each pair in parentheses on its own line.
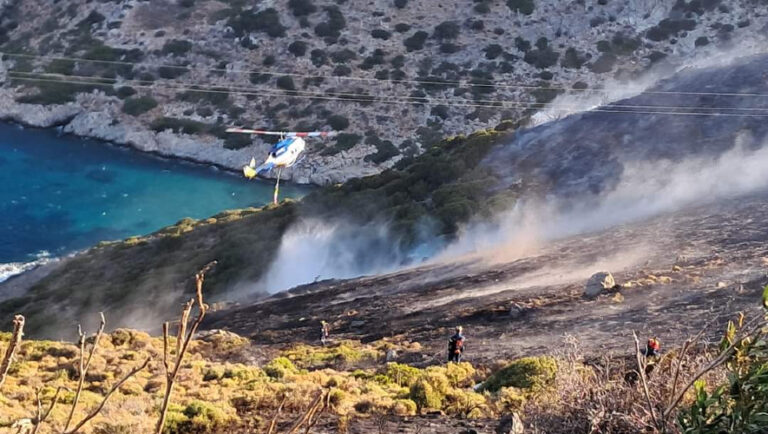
(287,156)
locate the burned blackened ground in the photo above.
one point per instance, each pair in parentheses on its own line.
(588,152)
(677,273)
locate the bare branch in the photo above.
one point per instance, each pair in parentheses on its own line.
(305,417)
(183,339)
(107,396)
(13,346)
(273,422)
(165,347)
(681,357)
(84,368)
(748,331)
(42,417)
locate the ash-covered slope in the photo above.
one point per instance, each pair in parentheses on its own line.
(590,152)
(677,273)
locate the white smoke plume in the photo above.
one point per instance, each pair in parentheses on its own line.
(313,250)
(646,189)
(612,90)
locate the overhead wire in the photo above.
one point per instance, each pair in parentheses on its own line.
(458,83)
(398,99)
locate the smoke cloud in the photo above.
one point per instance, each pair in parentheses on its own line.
(612,90)
(315,250)
(646,189)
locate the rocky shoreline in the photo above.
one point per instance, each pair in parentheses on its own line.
(108,125)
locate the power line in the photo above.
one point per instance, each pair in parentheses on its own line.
(398,101)
(357,97)
(455,83)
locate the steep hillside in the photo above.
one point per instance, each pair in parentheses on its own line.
(611,170)
(536,347)
(144,277)
(396,75)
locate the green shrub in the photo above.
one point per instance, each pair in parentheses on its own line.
(572,59)
(384,151)
(298,48)
(460,374)
(338,122)
(124,92)
(511,399)
(55,92)
(318,57)
(61,66)
(301,7)
(416,41)
(541,58)
(139,105)
(465,404)
(623,46)
(669,27)
(425,396)
(533,373)
(266,21)
(604,63)
(342,71)
(171,72)
(331,28)
(402,375)
(343,56)
(237,141)
(402,27)
(279,368)
(525,7)
(285,82)
(404,407)
(213,374)
(522,44)
(449,48)
(205,417)
(493,51)
(217,96)
(176,47)
(344,141)
(380,34)
(447,30)
(186,126)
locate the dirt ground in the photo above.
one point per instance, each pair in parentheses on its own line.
(677,274)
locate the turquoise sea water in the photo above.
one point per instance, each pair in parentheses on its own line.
(63,193)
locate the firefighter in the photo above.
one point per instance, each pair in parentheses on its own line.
(652,348)
(456,346)
(325,332)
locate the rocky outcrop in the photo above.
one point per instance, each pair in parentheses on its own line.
(510,424)
(35,115)
(597,283)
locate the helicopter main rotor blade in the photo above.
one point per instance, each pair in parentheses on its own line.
(282,133)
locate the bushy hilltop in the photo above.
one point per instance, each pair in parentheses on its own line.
(394,75)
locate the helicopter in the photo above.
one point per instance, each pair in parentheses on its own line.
(283,154)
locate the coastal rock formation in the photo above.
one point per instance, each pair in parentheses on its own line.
(391,80)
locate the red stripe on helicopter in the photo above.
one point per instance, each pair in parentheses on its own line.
(283,133)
